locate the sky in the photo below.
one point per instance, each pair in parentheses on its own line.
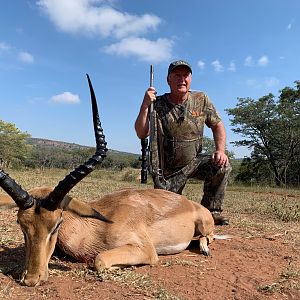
(236,48)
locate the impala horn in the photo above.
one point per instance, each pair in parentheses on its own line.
(56,196)
(13,189)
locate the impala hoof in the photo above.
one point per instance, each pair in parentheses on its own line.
(203,244)
(206,252)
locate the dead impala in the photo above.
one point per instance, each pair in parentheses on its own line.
(138,224)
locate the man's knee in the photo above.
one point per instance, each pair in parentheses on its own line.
(225,170)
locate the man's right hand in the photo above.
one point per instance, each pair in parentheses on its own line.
(142,121)
(150,96)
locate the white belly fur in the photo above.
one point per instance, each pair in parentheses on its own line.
(171,249)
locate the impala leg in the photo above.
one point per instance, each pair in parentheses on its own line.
(127,255)
(203,244)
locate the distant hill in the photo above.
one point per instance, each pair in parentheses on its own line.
(57,154)
(56,144)
(45,143)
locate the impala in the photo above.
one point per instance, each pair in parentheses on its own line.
(124,228)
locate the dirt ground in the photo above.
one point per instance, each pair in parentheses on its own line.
(253,264)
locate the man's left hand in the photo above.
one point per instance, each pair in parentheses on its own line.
(220,159)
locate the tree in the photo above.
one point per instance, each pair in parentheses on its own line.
(271,129)
(208,147)
(13,147)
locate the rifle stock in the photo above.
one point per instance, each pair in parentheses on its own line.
(144,159)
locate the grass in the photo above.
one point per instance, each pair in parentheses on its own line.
(288,279)
(140,282)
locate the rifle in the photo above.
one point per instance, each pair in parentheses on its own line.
(144,142)
(154,151)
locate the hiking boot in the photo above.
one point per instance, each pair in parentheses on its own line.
(219,219)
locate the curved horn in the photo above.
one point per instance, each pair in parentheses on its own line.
(64,186)
(13,189)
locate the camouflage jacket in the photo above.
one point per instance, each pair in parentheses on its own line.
(180,128)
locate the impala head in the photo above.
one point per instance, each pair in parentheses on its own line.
(40,209)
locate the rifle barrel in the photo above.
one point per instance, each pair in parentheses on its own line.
(151,84)
(151,75)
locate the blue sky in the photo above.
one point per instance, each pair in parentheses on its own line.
(236,48)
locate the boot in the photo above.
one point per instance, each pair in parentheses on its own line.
(219,219)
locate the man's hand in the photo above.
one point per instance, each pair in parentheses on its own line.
(220,159)
(142,122)
(150,96)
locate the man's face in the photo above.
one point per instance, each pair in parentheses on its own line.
(180,80)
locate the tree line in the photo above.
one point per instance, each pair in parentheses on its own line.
(268,126)
(18,149)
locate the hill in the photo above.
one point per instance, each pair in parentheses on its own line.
(61,154)
(45,143)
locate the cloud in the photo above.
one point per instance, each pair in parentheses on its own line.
(22,56)
(265,83)
(4,47)
(217,66)
(263,61)
(232,66)
(201,64)
(248,61)
(66,97)
(150,51)
(271,82)
(97,18)
(25,57)
(289,26)
(85,16)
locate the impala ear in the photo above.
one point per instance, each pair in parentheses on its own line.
(65,202)
(82,209)
(7,202)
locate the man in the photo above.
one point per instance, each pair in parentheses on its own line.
(181,115)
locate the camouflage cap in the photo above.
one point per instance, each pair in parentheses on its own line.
(178,63)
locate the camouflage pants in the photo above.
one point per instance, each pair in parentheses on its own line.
(215,181)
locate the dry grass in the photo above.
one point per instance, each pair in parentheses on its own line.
(140,282)
(288,280)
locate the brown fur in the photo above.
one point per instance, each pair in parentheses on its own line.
(6,201)
(145,223)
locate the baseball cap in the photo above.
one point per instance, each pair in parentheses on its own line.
(178,63)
